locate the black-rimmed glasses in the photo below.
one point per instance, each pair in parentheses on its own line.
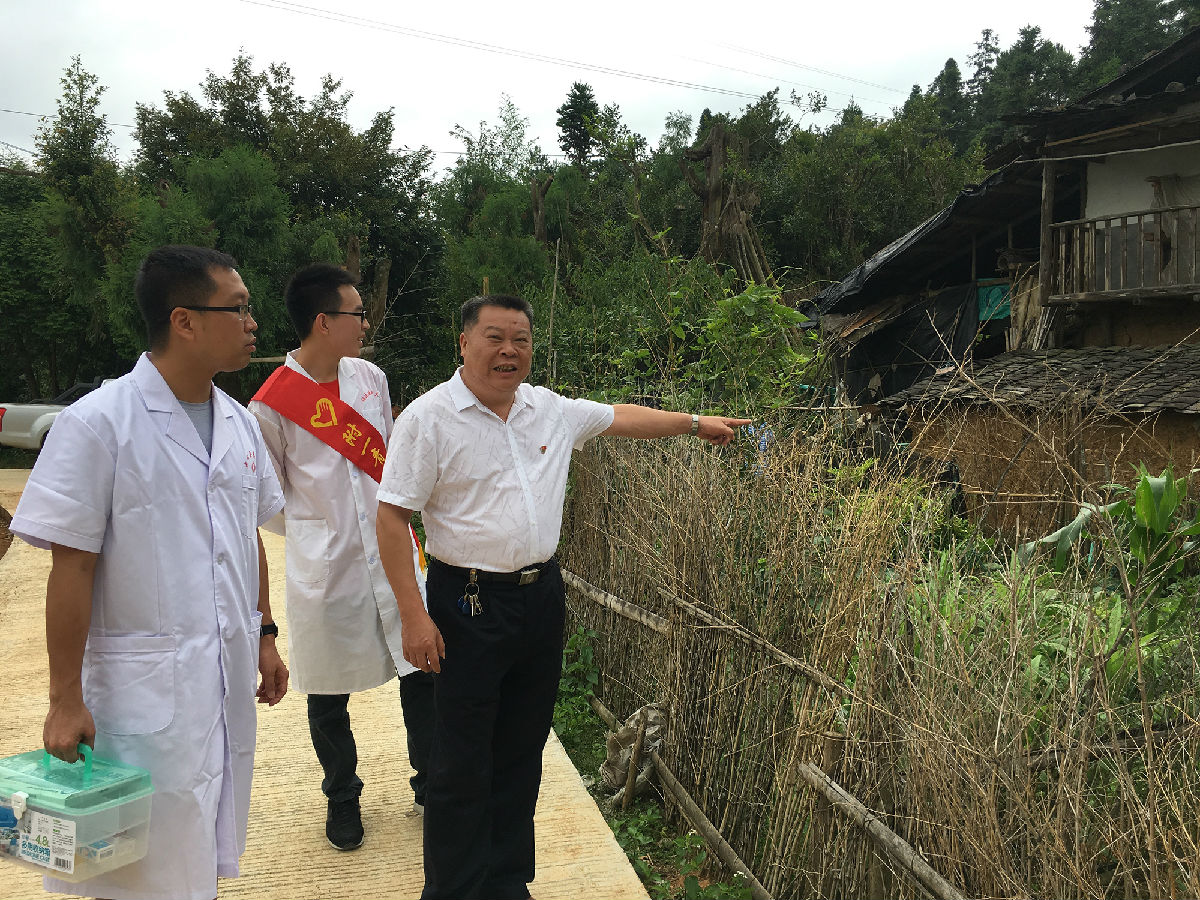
(242,309)
(361,313)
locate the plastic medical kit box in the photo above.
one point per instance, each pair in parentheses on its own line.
(73,822)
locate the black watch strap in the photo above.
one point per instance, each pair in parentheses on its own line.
(269,629)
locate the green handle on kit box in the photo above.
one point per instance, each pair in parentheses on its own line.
(85,754)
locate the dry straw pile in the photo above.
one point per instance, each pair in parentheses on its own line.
(1024,730)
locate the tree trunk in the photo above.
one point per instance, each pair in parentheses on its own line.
(30,372)
(727,233)
(377,306)
(354,257)
(539,190)
(55,388)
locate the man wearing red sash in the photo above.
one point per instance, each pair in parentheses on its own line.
(326,417)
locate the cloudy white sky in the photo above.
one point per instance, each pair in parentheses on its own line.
(439,64)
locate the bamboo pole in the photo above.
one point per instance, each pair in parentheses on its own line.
(1046,244)
(550,334)
(616,604)
(659,624)
(749,637)
(693,812)
(896,848)
(635,757)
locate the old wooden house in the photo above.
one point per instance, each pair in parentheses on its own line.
(1043,331)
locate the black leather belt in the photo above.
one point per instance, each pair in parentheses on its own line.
(528,575)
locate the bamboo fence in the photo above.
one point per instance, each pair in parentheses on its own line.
(790,612)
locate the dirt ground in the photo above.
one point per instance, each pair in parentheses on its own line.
(286,854)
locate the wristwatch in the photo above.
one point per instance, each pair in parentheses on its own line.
(269,629)
(695,425)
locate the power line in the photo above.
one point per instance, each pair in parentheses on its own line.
(813,87)
(21,112)
(789,62)
(347,19)
(15,147)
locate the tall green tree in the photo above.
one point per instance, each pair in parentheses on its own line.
(349,195)
(1121,34)
(951,104)
(863,182)
(983,63)
(170,215)
(483,208)
(29,313)
(89,213)
(1033,73)
(1185,15)
(576,120)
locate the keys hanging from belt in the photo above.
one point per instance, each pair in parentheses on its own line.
(468,603)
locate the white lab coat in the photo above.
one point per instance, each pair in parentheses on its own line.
(343,625)
(171,664)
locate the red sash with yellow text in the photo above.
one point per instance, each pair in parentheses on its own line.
(330,420)
(326,417)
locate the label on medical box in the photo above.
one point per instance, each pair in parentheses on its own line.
(49,842)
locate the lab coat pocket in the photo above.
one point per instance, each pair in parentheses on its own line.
(129,682)
(307,546)
(249,511)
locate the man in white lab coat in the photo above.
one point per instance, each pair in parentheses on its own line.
(326,417)
(149,493)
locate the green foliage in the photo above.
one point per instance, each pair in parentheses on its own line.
(1185,15)
(1122,33)
(862,183)
(87,214)
(750,346)
(640,831)
(1033,73)
(670,867)
(952,106)
(1138,559)
(26,270)
(287,180)
(174,217)
(580,674)
(575,722)
(690,855)
(983,62)
(1151,525)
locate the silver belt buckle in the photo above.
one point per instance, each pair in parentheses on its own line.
(528,576)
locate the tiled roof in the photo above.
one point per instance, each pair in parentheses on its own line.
(1121,379)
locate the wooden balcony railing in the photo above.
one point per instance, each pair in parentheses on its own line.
(1138,254)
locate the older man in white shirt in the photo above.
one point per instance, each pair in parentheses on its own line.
(485,457)
(149,494)
(322,413)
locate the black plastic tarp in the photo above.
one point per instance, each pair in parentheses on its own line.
(923,338)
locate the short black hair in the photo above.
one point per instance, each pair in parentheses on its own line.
(172,276)
(469,314)
(314,290)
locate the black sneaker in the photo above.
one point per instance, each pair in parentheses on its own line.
(343,824)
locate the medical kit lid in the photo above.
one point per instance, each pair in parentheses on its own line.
(72,790)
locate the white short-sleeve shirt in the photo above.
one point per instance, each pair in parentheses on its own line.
(490,491)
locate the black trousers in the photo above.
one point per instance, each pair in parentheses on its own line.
(329,726)
(494,707)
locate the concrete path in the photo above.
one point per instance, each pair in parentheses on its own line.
(287,855)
